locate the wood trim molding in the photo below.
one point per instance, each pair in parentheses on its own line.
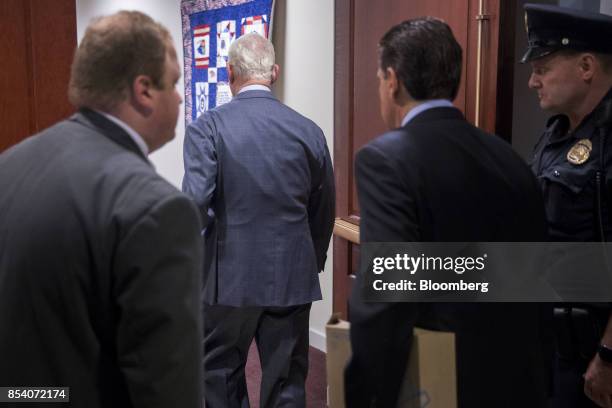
(346,230)
(343,97)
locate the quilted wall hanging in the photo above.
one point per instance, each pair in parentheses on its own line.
(209,28)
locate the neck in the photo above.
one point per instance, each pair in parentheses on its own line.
(588,104)
(252,82)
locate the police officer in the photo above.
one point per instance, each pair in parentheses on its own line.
(570,52)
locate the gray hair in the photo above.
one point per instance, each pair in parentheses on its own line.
(252,57)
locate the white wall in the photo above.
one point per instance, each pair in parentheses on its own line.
(304,38)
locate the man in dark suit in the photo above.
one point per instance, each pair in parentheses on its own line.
(99,256)
(437,178)
(262,176)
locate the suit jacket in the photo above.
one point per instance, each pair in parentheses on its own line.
(440,179)
(262,176)
(99,271)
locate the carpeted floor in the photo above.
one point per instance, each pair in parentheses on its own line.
(316,383)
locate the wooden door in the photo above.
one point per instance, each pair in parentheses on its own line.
(359,26)
(37,40)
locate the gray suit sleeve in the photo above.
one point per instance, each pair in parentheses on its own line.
(200,159)
(321,206)
(157,293)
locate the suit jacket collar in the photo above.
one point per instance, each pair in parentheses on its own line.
(435,114)
(255,94)
(108,129)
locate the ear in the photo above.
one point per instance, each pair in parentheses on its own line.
(587,63)
(142,94)
(275,73)
(392,83)
(230,73)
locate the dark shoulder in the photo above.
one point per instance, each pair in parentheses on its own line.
(92,181)
(136,187)
(391,150)
(392,140)
(120,178)
(398,144)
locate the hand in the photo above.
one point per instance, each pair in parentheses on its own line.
(598,382)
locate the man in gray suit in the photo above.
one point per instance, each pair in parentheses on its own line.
(99,256)
(262,176)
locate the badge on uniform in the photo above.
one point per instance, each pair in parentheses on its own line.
(580,152)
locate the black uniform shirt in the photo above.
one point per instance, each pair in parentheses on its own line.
(577,195)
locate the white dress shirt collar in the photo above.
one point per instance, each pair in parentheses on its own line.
(433,103)
(254,87)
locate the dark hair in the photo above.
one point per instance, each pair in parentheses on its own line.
(425,57)
(113,52)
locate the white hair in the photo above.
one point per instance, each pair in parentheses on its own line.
(252,57)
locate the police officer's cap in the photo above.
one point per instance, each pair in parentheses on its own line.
(553,28)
